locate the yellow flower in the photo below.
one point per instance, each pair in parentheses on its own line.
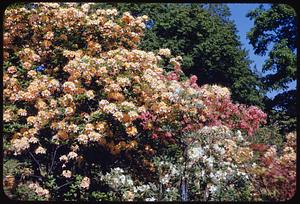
(90,94)
(46,93)
(132,144)
(22,112)
(89,127)
(100,126)
(40,104)
(69,111)
(7,115)
(53,103)
(32,74)
(131,130)
(31,120)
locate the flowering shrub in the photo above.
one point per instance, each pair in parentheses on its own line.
(97,119)
(276,174)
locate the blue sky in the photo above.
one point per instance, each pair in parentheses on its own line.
(243,25)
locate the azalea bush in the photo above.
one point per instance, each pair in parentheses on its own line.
(88,116)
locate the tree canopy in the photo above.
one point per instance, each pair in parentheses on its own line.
(274,32)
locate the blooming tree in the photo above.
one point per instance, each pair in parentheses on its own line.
(94,118)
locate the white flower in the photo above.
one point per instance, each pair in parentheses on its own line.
(239,135)
(174,171)
(83,139)
(40,150)
(118,170)
(85,183)
(90,94)
(110,108)
(129,182)
(72,155)
(73,128)
(67,173)
(39,190)
(18,145)
(150,199)
(195,153)
(213,188)
(33,140)
(143,188)
(123,81)
(63,158)
(222,151)
(178,58)
(210,161)
(164,52)
(122,179)
(33,185)
(85,7)
(94,136)
(75,148)
(133,114)
(165,179)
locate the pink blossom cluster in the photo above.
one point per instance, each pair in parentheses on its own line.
(222,111)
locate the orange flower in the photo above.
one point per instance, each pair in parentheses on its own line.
(62,135)
(132,144)
(116,96)
(47,43)
(126,118)
(9,182)
(27,65)
(63,37)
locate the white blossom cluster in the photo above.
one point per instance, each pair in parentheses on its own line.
(39,190)
(117,179)
(208,165)
(120,182)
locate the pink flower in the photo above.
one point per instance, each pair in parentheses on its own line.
(154,136)
(168,134)
(193,79)
(172,76)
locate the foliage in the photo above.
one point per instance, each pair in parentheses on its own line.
(275,31)
(268,135)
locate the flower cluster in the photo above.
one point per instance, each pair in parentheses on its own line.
(216,159)
(39,190)
(221,110)
(123,184)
